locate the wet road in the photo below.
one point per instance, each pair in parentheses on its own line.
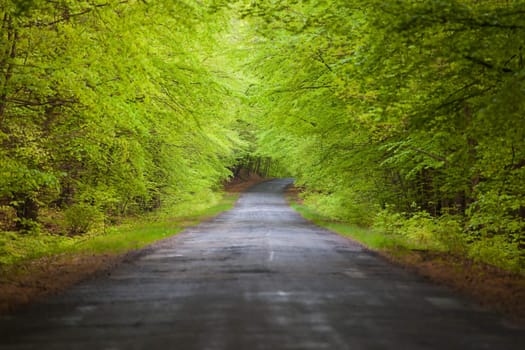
(258,277)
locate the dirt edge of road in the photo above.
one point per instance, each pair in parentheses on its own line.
(492,288)
(23,284)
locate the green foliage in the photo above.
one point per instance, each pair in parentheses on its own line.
(123,105)
(416,107)
(421,230)
(7,217)
(412,106)
(394,232)
(371,238)
(15,247)
(343,206)
(498,251)
(81,217)
(389,222)
(450,234)
(446,233)
(135,233)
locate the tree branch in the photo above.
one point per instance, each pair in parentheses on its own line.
(50,102)
(431,155)
(320,55)
(486,64)
(303,88)
(68,16)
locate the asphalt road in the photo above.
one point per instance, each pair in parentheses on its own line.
(258,277)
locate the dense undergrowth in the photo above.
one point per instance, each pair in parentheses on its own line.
(131,233)
(396,234)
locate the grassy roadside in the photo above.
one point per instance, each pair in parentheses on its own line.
(131,233)
(367,237)
(32,267)
(137,233)
(491,287)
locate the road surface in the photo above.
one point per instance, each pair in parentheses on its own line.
(258,277)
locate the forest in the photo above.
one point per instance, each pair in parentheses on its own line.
(407,117)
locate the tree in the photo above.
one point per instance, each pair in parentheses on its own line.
(116,104)
(407,105)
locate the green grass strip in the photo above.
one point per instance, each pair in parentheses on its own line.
(134,233)
(364,235)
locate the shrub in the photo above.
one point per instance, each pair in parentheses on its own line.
(346,206)
(389,222)
(81,217)
(449,231)
(16,247)
(421,230)
(7,217)
(497,251)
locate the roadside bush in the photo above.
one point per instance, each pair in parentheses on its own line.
(497,251)
(423,231)
(16,247)
(496,214)
(449,231)
(389,222)
(420,230)
(7,217)
(345,207)
(81,217)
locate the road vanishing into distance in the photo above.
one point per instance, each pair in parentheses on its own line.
(258,277)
